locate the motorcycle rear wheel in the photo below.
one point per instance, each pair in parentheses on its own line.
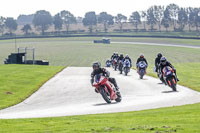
(119,97)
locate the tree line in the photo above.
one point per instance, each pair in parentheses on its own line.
(170,16)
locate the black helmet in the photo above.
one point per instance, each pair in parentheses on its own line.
(163,60)
(121,54)
(96,65)
(159,55)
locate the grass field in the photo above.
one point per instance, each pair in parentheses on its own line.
(20,81)
(82,51)
(75,52)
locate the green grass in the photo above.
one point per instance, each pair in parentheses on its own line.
(188,74)
(82,51)
(183,119)
(17,82)
(65,51)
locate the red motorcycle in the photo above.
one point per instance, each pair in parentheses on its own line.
(115,64)
(106,89)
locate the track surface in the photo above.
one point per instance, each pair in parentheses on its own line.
(162,44)
(70,93)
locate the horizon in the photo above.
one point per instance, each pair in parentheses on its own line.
(23,7)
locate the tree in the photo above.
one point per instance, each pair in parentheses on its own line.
(151,18)
(182,18)
(26,28)
(42,19)
(173,11)
(135,19)
(106,20)
(57,21)
(144,18)
(79,19)
(2,24)
(25,19)
(166,19)
(120,19)
(190,18)
(67,18)
(90,20)
(11,24)
(158,13)
(194,17)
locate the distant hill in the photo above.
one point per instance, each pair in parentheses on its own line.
(25,19)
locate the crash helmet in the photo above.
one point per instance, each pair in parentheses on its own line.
(159,55)
(121,55)
(96,65)
(163,60)
(116,53)
(141,55)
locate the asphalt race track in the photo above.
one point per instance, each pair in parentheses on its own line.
(70,93)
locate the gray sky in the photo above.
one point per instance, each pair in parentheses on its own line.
(13,8)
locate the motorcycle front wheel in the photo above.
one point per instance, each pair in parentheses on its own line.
(105,95)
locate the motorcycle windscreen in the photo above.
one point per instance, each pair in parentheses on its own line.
(126,63)
(97,78)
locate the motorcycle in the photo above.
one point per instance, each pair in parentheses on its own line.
(115,64)
(126,66)
(120,66)
(169,77)
(142,69)
(108,63)
(106,89)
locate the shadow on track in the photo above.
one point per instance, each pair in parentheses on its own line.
(100,104)
(168,91)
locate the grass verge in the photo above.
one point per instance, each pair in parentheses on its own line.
(183,119)
(20,81)
(188,74)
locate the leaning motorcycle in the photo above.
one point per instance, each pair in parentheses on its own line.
(120,66)
(126,67)
(142,69)
(169,77)
(115,64)
(106,89)
(108,63)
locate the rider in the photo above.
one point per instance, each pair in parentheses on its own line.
(107,62)
(141,58)
(164,63)
(112,57)
(157,61)
(127,58)
(98,70)
(121,57)
(116,56)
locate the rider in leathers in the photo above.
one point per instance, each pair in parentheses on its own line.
(141,58)
(127,58)
(157,61)
(164,63)
(98,70)
(121,57)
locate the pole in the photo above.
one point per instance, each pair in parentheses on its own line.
(33,56)
(15,44)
